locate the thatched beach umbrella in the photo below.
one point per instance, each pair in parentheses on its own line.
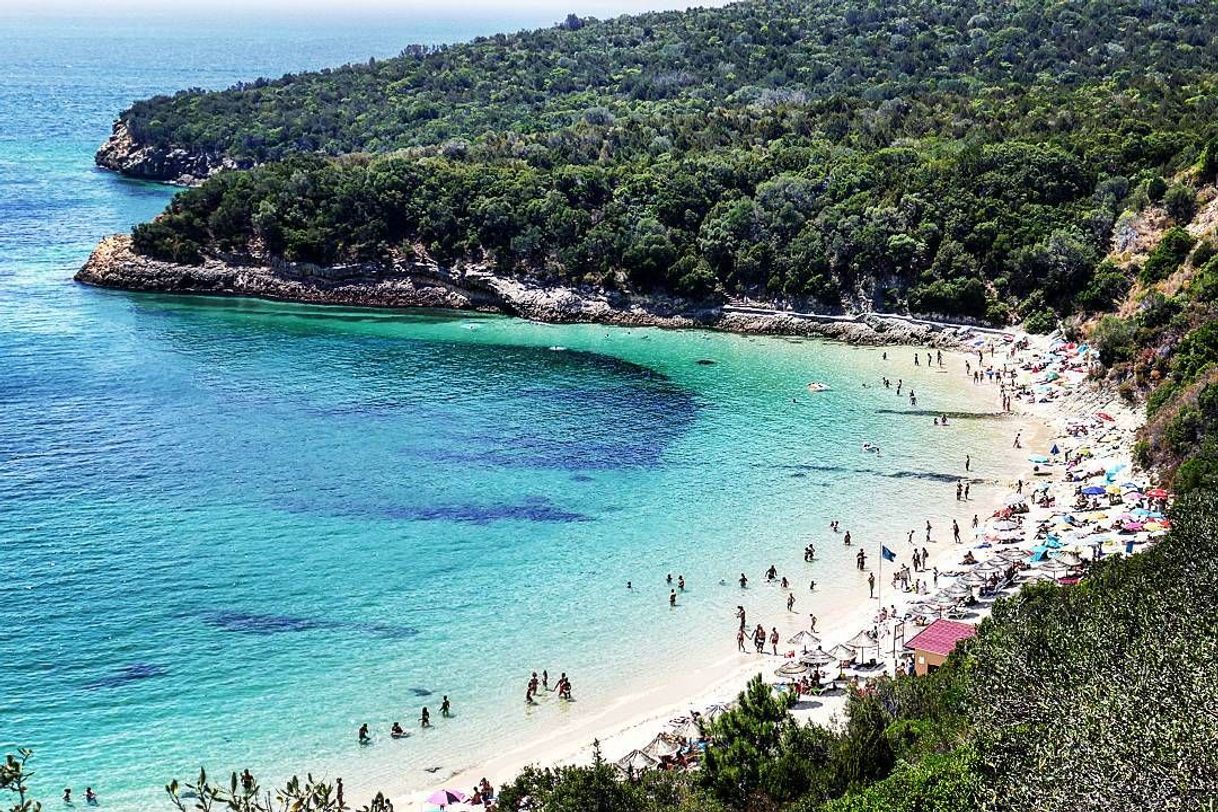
(817,658)
(805,639)
(662,746)
(793,669)
(637,760)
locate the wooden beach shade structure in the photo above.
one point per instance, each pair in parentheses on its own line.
(932,645)
(636,761)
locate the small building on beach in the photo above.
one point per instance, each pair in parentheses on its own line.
(931,646)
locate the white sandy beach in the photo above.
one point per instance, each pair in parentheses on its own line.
(629,721)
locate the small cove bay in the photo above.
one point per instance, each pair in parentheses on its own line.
(233,531)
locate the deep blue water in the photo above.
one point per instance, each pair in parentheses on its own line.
(231,531)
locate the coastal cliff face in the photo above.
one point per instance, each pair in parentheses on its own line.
(422,283)
(124,154)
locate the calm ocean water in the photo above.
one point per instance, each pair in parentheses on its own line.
(232,531)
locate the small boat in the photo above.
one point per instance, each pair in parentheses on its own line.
(871,448)
(817,386)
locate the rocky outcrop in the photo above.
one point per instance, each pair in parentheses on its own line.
(124,154)
(420,282)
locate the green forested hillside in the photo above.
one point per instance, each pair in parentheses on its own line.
(763,53)
(956,158)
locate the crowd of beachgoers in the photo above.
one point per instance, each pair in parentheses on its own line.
(1077,500)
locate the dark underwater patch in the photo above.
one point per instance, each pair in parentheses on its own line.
(929,476)
(129,673)
(264,624)
(952,415)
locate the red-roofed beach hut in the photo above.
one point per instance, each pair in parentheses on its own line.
(931,646)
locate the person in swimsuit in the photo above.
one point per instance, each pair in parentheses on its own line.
(364,738)
(445,707)
(425,718)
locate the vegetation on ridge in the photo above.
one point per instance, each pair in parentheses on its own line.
(958,158)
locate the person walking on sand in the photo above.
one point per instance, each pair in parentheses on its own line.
(812,622)
(955,531)
(871,584)
(774,640)
(740,640)
(1017,444)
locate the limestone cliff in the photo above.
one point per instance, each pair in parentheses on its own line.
(123,153)
(420,282)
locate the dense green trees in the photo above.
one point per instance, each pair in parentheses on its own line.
(967,159)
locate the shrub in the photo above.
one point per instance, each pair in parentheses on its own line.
(1109,284)
(1113,337)
(1042,321)
(1167,255)
(1181,203)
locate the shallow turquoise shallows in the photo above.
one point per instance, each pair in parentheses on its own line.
(231,531)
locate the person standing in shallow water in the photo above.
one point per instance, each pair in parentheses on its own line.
(672,598)
(445,707)
(871,583)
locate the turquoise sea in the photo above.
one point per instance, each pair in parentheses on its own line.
(231,531)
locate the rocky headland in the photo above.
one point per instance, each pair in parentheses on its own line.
(421,282)
(122,153)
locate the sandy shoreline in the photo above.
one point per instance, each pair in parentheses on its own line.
(630,721)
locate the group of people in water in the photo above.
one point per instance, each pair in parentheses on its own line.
(90,796)
(535,684)
(396,731)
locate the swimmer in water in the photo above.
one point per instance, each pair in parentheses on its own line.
(364,738)
(396,731)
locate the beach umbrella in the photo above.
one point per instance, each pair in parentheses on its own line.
(662,746)
(1157,493)
(1055,566)
(1131,496)
(1070,558)
(804,638)
(793,668)
(843,653)
(444,798)
(1039,459)
(689,730)
(637,760)
(816,658)
(1093,490)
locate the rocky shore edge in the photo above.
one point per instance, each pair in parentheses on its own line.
(122,153)
(418,283)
